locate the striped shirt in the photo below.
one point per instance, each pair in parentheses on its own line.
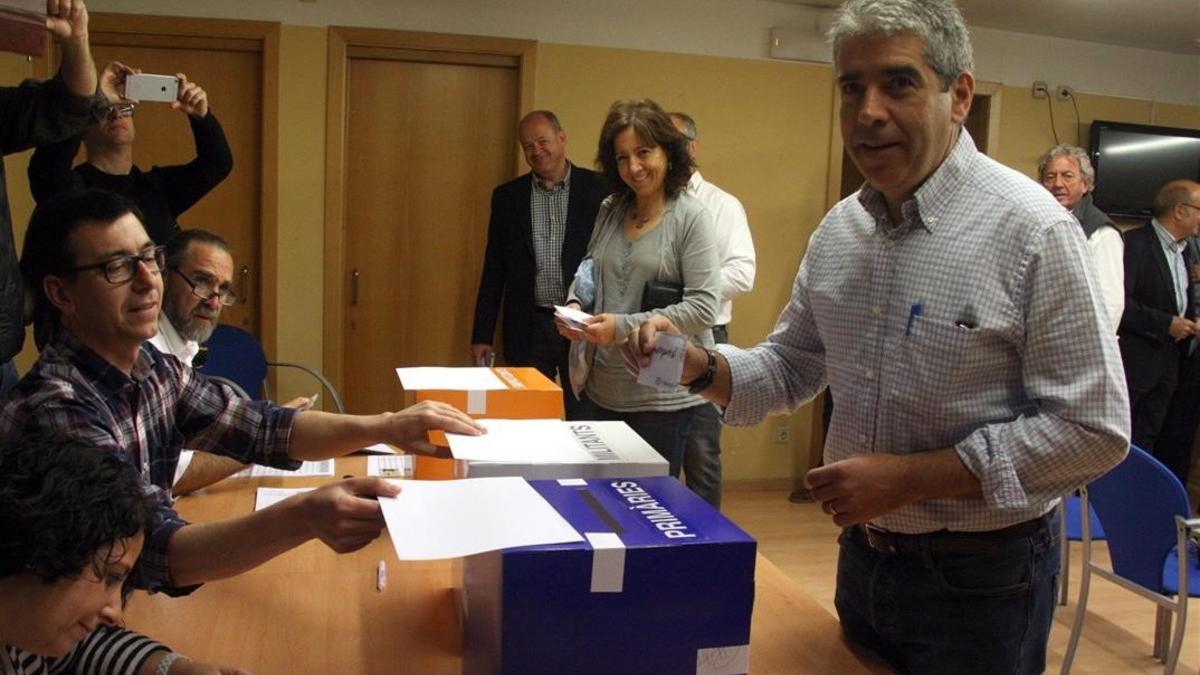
(106,650)
(961,327)
(145,419)
(1173,253)
(548,220)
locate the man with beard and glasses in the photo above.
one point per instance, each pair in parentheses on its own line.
(196,287)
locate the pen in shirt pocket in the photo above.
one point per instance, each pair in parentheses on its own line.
(966,319)
(913,313)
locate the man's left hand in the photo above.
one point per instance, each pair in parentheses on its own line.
(408,428)
(192,99)
(862,487)
(67,20)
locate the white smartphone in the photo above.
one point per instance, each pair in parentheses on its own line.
(146,87)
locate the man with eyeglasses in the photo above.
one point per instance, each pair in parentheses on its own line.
(196,287)
(1158,327)
(98,284)
(164,192)
(37,113)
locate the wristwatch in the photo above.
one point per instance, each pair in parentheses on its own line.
(705,380)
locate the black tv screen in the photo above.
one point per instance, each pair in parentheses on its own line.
(1133,161)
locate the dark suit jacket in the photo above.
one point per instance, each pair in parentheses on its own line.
(509,266)
(1146,346)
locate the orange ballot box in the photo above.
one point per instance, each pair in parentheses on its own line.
(501,392)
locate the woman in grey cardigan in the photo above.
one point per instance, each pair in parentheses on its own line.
(648,230)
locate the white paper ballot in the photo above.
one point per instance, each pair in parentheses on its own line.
(449,379)
(525,441)
(571,316)
(432,520)
(267,496)
(666,362)
(391,466)
(321,468)
(376,449)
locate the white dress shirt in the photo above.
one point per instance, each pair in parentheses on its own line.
(168,341)
(734,244)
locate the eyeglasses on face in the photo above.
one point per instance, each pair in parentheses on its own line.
(204,289)
(120,110)
(122,268)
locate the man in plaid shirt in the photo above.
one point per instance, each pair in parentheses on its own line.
(97,279)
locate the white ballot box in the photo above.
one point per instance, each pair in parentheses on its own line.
(555,449)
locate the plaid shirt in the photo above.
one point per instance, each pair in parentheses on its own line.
(976,323)
(145,419)
(548,219)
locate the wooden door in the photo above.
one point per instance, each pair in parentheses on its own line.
(426,141)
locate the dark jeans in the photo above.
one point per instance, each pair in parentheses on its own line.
(702,450)
(943,613)
(548,353)
(1148,409)
(1176,440)
(8,378)
(664,431)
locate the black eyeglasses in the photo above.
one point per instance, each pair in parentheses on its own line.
(1190,206)
(206,292)
(122,268)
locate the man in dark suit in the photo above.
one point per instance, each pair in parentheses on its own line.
(540,226)
(1157,326)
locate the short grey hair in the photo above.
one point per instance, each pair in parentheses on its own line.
(937,22)
(689,124)
(1070,152)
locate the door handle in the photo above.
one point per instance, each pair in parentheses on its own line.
(244,291)
(354,288)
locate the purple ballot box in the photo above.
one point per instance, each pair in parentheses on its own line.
(663,584)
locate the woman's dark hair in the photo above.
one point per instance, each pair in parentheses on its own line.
(654,127)
(65,504)
(47,248)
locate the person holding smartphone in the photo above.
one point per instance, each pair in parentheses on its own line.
(164,192)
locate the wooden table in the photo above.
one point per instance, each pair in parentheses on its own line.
(313,611)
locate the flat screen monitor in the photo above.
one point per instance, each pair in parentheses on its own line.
(1133,161)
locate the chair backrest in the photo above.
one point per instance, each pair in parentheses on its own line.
(236,355)
(1137,502)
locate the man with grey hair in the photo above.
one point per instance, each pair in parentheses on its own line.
(702,450)
(949,307)
(1158,328)
(197,285)
(1067,173)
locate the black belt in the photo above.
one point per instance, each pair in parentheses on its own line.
(945,542)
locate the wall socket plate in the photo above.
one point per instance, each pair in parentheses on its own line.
(1041,90)
(783,435)
(1063,92)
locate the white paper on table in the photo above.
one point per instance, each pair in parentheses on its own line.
(437,519)
(391,466)
(321,468)
(666,362)
(573,317)
(452,379)
(524,441)
(267,496)
(376,449)
(185,458)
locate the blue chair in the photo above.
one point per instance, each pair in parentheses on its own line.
(1145,512)
(236,358)
(1072,530)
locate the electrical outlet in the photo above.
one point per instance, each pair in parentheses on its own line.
(1040,90)
(1064,93)
(783,435)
